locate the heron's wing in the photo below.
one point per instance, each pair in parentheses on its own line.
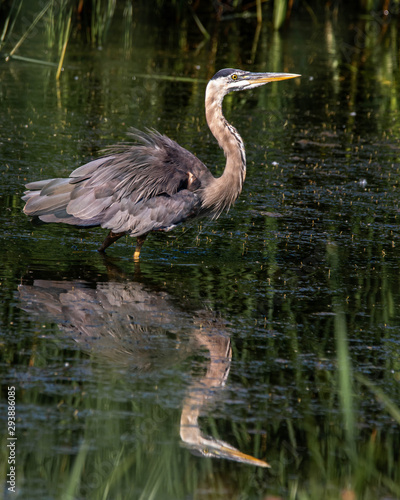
(116,188)
(152,166)
(48,200)
(162,213)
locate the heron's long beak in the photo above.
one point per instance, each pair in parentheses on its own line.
(220,449)
(268,77)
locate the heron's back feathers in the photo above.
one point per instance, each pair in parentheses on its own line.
(149,185)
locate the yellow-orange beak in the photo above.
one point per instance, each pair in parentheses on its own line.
(257,78)
(231,453)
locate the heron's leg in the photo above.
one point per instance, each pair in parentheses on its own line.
(111,237)
(139,243)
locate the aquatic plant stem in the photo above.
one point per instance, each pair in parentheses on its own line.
(259,12)
(199,24)
(67,32)
(28,31)
(345,376)
(6,30)
(35,61)
(387,402)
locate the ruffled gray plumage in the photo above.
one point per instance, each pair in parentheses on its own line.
(152,184)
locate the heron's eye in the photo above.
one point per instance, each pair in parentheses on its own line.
(234,76)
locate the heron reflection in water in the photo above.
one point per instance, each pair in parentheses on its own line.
(153,184)
(130,325)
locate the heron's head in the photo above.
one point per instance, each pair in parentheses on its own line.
(229,80)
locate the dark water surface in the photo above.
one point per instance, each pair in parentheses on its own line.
(301,279)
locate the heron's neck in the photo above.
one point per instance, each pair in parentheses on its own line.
(224,190)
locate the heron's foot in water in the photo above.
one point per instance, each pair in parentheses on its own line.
(110,239)
(139,243)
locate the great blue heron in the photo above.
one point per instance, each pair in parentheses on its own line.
(154,184)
